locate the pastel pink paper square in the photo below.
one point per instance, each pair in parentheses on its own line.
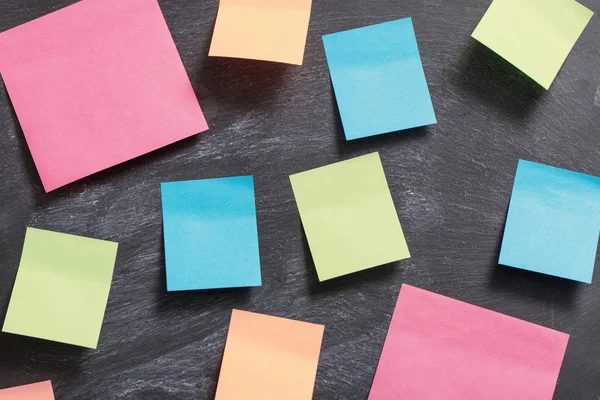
(96,84)
(35,391)
(440,348)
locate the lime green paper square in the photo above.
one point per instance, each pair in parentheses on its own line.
(62,287)
(349,217)
(535,36)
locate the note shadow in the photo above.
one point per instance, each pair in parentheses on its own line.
(22,148)
(247,85)
(496,82)
(216,374)
(244,83)
(42,358)
(531,285)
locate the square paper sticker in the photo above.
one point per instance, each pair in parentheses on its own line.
(269,358)
(35,391)
(270,30)
(535,36)
(349,216)
(96,84)
(437,346)
(378,79)
(211,238)
(553,222)
(62,288)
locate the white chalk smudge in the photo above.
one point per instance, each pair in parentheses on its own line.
(597,103)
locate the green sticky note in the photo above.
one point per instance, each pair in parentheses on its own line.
(61,289)
(349,217)
(535,36)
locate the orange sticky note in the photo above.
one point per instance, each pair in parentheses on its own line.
(269,30)
(35,391)
(269,358)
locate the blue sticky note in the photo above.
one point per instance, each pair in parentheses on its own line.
(553,222)
(211,238)
(378,79)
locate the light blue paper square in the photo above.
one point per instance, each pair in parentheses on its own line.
(553,222)
(378,79)
(211,238)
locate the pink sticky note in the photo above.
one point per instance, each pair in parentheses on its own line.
(96,84)
(438,348)
(35,391)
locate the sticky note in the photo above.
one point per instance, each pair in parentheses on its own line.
(35,391)
(61,289)
(96,84)
(437,346)
(269,30)
(349,216)
(378,79)
(211,238)
(553,222)
(535,36)
(269,358)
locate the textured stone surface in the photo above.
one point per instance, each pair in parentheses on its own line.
(451,184)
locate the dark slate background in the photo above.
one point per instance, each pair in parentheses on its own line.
(451,184)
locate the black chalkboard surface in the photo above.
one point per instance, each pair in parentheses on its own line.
(451,183)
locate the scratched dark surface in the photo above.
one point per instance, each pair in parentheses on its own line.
(451,184)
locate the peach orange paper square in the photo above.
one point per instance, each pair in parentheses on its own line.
(269,358)
(270,30)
